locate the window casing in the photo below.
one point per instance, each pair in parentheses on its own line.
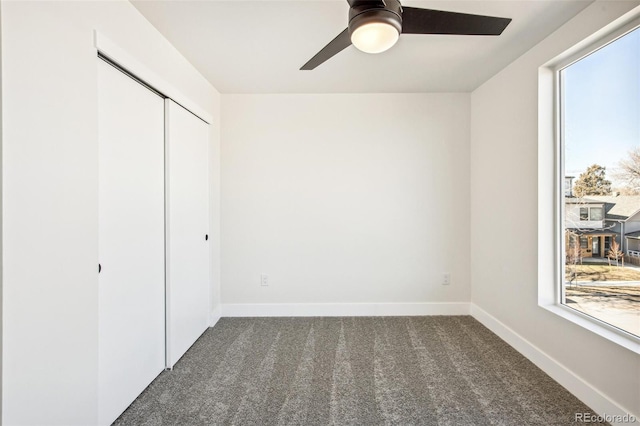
(591,213)
(552,297)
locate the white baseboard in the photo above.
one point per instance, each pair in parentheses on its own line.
(596,400)
(343,309)
(214,317)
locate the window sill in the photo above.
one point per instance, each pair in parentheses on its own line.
(596,326)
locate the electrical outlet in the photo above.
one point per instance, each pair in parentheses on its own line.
(446,278)
(264,280)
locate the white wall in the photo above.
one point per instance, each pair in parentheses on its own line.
(504,198)
(345,198)
(50,141)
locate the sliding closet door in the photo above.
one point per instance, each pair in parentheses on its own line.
(187,229)
(131,240)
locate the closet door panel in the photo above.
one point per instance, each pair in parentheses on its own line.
(131,240)
(187,227)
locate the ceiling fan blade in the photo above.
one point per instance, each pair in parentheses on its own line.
(429,21)
(373,3)
(335,46)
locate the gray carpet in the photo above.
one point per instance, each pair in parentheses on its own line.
(353,371)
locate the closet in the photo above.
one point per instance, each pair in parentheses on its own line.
(187,219)
(153,243)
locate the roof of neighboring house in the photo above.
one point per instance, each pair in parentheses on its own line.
(620,207)
(577,200)
(595,232)
(633,235)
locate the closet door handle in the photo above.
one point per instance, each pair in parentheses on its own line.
(206,237)
(99,268)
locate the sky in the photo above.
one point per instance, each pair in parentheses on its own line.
(602,106)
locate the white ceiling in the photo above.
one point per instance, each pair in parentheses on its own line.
(259,46)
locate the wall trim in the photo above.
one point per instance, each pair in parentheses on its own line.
(596,400)
(342,309)
(214,317)
(123,59)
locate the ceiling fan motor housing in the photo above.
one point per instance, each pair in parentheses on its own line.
(365,12)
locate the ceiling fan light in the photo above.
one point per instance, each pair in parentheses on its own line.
(375,37)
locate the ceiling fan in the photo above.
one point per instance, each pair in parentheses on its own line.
(376,25)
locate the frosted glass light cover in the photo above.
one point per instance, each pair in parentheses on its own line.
(375,37)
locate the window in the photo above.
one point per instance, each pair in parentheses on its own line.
(584,243)
(568,185)
(599,128)
(590,213)
(584,213)
(595,213)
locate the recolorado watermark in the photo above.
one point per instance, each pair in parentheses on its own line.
(609,418)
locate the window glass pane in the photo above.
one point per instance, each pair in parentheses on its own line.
(595,213)
(584,213)
(600,128)
(584,242)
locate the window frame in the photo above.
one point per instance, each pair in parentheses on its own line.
(600,209)
(551,159)
(584,214)
(584,242)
